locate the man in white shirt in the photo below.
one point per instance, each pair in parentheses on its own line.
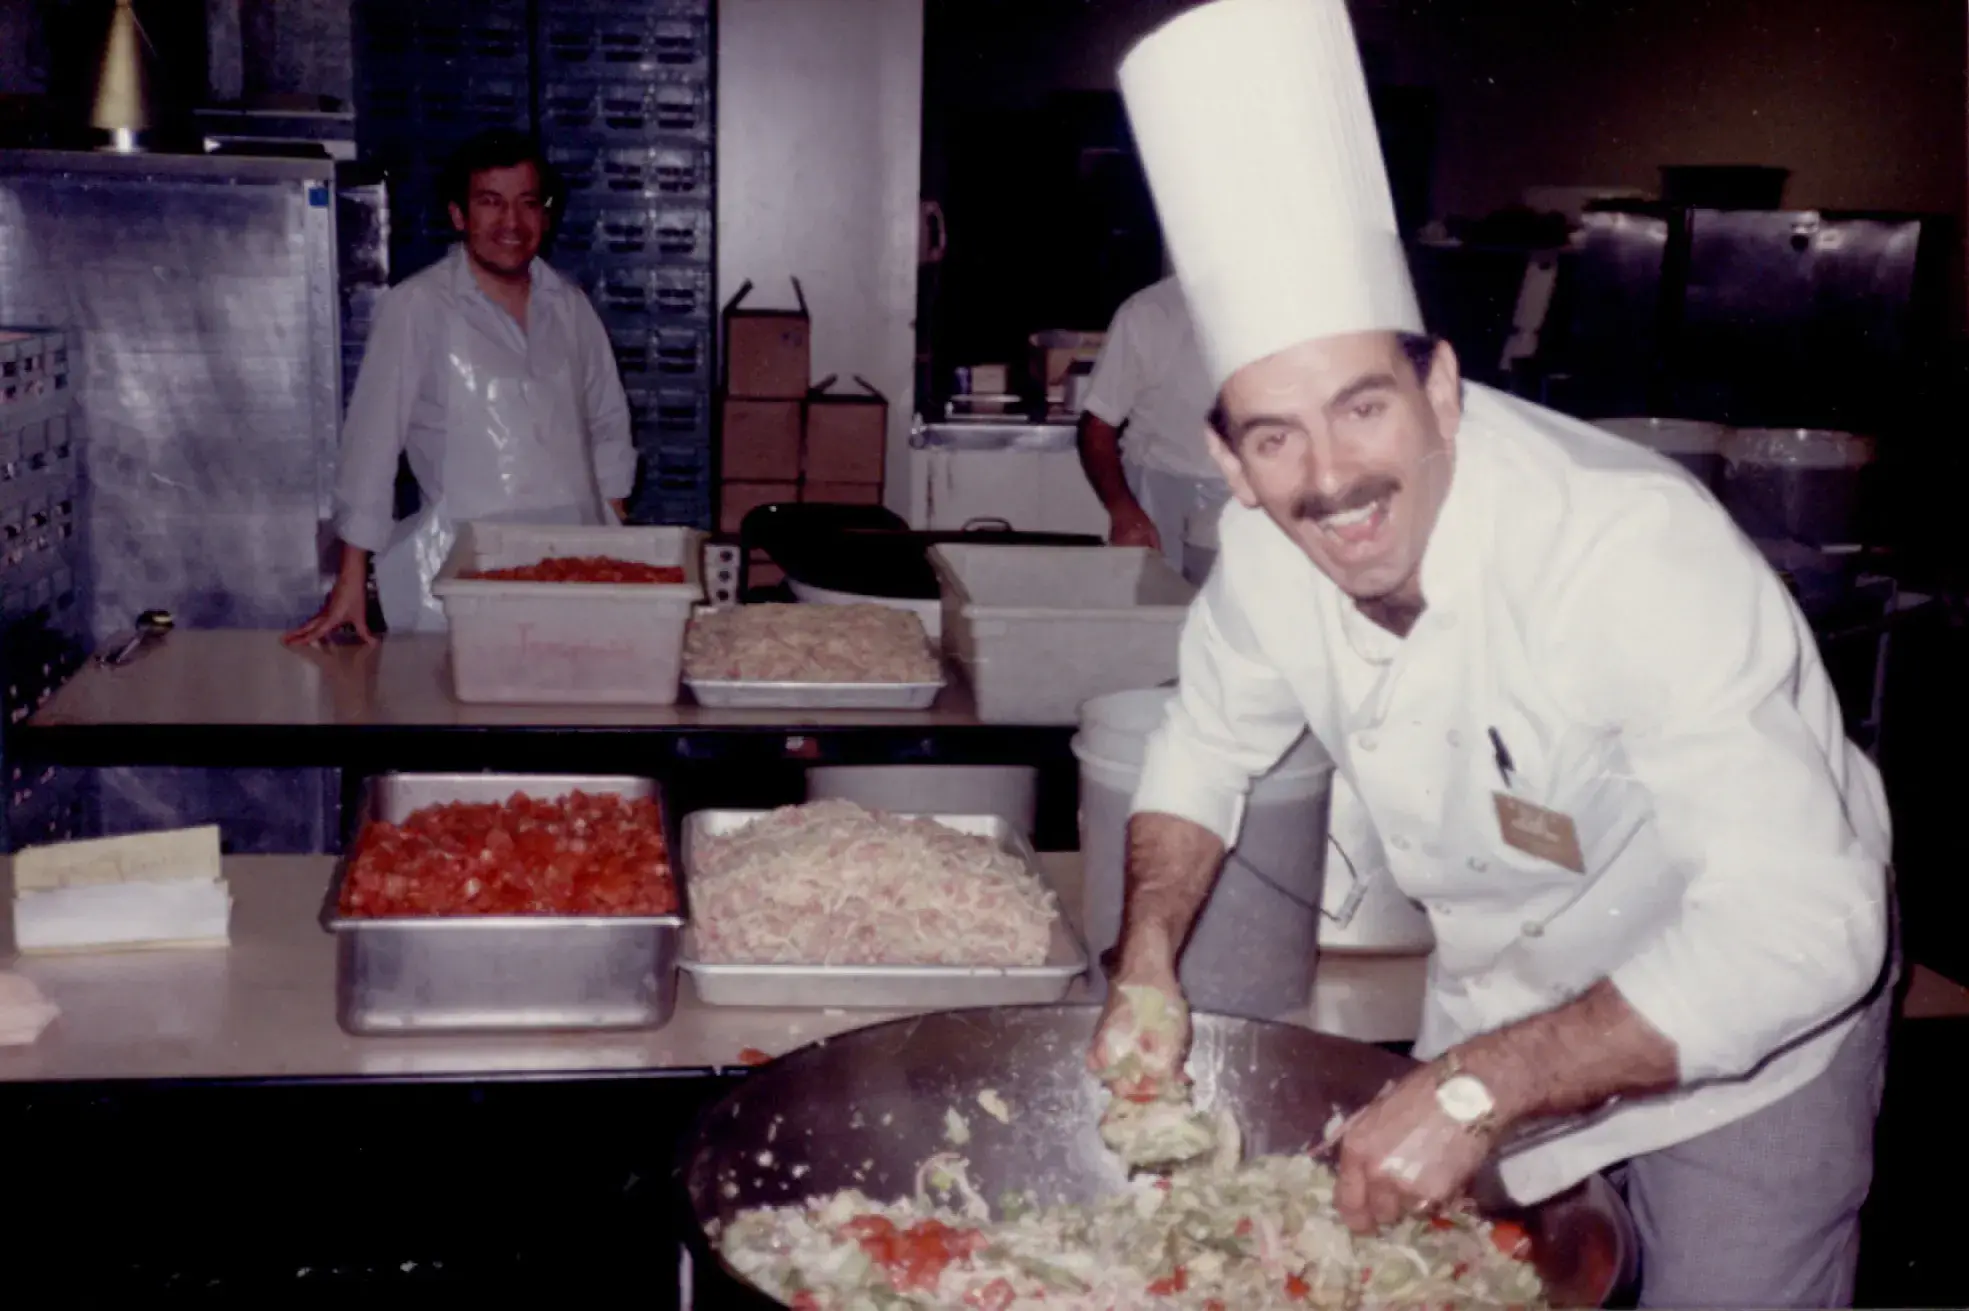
(1586,718)
(1141,430)
(494,375)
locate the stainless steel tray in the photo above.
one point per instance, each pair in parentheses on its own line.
(473,973)
(885,987)
(759,695)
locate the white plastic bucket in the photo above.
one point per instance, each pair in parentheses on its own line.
(1009,791)
(1254,946)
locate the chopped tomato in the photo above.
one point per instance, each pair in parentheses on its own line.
(753,1056)
(1460,1269)
(582,854)
(994,1296)
(1510,1238)
(805,1301)
(1441,1222)
(582,569)
(1162,1185)
(1213,1304)
(1174,1282)
(1296,1288)
(1243,1229)
(914,1258)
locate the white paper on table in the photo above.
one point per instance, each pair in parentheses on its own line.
(122,915)
(24,1011)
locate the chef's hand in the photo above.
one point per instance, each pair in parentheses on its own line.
(1159,1050)
(347,605)
(621,508)
(1401,1154)
(1130,525)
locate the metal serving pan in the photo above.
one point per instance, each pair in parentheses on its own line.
(473,973)
(761,695)
(886,987)
(863,1109)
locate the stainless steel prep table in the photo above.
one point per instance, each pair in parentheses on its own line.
(237,697)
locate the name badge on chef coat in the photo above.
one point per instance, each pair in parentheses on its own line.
(1539,832)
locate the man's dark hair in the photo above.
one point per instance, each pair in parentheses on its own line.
(499,147)
(1419,347)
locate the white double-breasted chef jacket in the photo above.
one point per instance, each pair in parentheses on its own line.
(1649,677)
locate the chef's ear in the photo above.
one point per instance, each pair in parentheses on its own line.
(1444,388)
(457,217)
(1229,465)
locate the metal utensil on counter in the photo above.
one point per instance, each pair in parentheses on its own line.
(152,627)
(864,1108)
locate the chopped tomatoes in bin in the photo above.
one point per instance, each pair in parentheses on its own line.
(582,854)
(581,569)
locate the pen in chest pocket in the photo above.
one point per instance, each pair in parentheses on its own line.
(1502,754)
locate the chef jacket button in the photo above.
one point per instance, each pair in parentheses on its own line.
(1365,741)
(1479,864)
(1455,738)
(1398,842)
(1533,929)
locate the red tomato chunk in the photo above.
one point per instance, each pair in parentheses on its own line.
(580,855)
(582,569)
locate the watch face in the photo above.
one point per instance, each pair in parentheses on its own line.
(1464,1099)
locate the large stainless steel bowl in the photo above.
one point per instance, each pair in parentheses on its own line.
(863,1109)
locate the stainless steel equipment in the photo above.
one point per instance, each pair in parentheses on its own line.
(760,694)
(201,297)
(885,987)
(864,1108)
(500,972)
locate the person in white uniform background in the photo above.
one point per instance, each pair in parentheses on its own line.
(1142,426)
(492,373)
(1585,718)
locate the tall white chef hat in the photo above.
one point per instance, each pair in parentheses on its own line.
(1253,123)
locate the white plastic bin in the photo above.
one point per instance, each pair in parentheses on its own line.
(1008,791)
(1256,943)
(1041,629)
(567,643)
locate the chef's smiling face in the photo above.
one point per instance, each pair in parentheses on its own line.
(504,219)
(1349,450)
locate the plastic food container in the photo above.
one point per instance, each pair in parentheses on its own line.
(567,643)
(1041,629)
(1796,484)
(887,987)
(1256,941)
(1691,443)
(474,973)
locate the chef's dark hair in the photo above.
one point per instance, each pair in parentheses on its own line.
(499,147)
(1419,347)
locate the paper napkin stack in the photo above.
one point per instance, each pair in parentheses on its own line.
(145,890)
(24,1012)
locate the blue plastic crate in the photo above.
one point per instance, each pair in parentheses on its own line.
(627,291)
(606,43)
(592,229)
(670,413)
(682,353)
(625,111)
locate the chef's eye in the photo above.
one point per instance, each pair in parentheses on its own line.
(1362,411)
(1269,443)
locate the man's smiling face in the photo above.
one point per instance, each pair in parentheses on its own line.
(1349,450)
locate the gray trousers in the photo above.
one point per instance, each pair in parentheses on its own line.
(1765,1212)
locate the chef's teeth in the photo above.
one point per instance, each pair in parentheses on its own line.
(1348,518)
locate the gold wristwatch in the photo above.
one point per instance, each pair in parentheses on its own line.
(1463,1097)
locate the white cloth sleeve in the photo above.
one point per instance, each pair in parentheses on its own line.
(603,403)
(378,421)
(1115,386)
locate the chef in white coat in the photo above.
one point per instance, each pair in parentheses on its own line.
(1587,721)
(1141,428)
(493,374)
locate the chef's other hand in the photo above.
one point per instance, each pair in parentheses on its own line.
(1401,1153)
(1130,525)
(347,606)
(1143,1038)
(621,508)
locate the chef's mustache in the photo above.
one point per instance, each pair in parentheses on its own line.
(1312,506)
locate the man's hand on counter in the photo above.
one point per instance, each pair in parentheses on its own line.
(1130,525)
(621,508)
(347,604)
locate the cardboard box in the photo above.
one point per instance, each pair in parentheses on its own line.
(1054,353)
(759,441)
(842,493)
(736,499)
(768,352)
(847,435)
